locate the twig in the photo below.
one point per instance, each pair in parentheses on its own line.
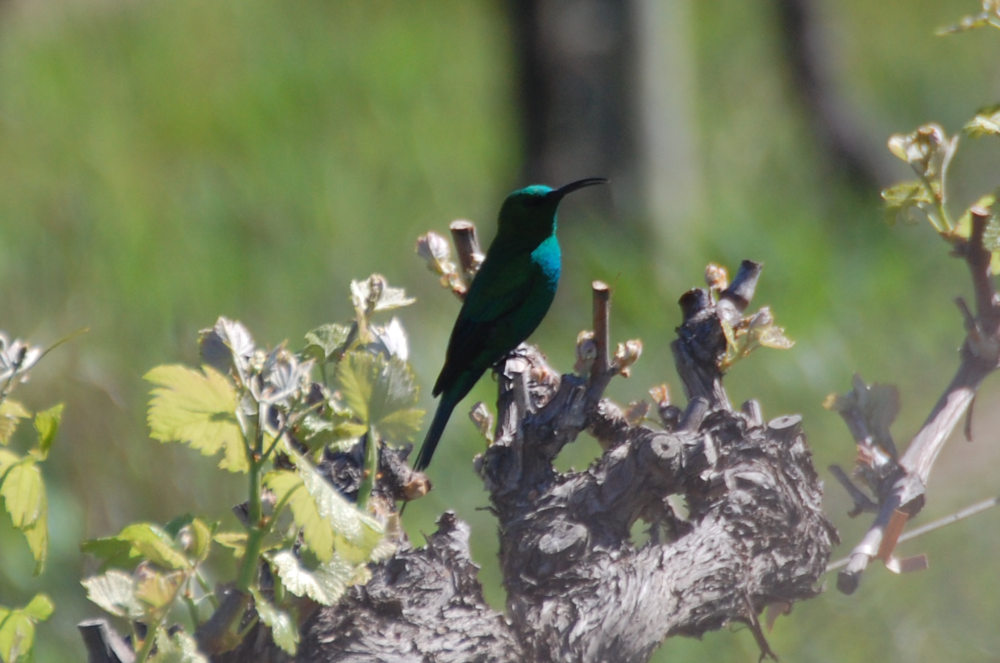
(470,255)
(602,307)
(962,514)
(979,354)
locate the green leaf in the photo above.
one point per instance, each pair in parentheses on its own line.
(317,430)
(17,635)
(8,459)
(114,592)
(17,627)
(11,413)
(37,537)
(390,340)
(198,409)
(355,534)
(235,541)
(200,534)
(750,333)
(327,342)
(901,200)
(401,425)
(283,627)
(375,294)
(23,493)
(176,647)
(193,535)
(329,522)
(986,122)
(317,531)
(325,584)
(47,425)
(138,541)
(158,590)
(39,608)
(381,392)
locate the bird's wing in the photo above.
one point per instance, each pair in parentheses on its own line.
(496,293)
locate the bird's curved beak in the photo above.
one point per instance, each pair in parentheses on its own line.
(573,186)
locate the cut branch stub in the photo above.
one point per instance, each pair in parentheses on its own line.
(470,255)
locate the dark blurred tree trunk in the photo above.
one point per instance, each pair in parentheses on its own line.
(838,128)
(573,66)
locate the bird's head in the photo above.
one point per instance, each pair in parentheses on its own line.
(531,211)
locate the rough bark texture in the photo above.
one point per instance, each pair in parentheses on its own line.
(899,484)
(580,586)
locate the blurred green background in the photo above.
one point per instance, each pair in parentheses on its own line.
(166,162)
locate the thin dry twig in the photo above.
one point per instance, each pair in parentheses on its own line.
(905,488)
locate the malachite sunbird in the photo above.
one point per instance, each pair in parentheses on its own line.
(507,300)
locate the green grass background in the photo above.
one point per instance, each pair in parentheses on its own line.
(166,162)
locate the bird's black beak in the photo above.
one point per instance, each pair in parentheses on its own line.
(573,186)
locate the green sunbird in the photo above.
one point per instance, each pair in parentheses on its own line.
(507,300)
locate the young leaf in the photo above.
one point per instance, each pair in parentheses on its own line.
(325,584)
(138,541)
(986,122)
(235,541)
(198,409)
(329,522)
(16,358)
(198,538)
(23,493)
(11,413)
(47,425)
(114,593)
(8,459)
(316,530)
(283,628)
(901,200)
(176,647)
(283,377)
(158,590)
(381,392)
(227,345)
(39,608)
(327,342)
(391,340)
(355,534)
(17,627)
(375,294)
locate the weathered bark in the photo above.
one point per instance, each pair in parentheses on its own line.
(580,587)
(899,485)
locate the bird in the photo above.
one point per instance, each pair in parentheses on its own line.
(507,299)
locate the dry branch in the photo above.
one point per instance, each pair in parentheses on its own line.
(579,588)
(901,491)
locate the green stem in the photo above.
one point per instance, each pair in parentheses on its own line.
(207,589)
(371,468)
(256,532)
(937,214)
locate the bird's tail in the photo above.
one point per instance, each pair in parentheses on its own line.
(434,433)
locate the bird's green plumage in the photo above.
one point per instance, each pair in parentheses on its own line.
(507,300)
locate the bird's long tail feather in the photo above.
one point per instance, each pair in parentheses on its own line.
(441,417)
